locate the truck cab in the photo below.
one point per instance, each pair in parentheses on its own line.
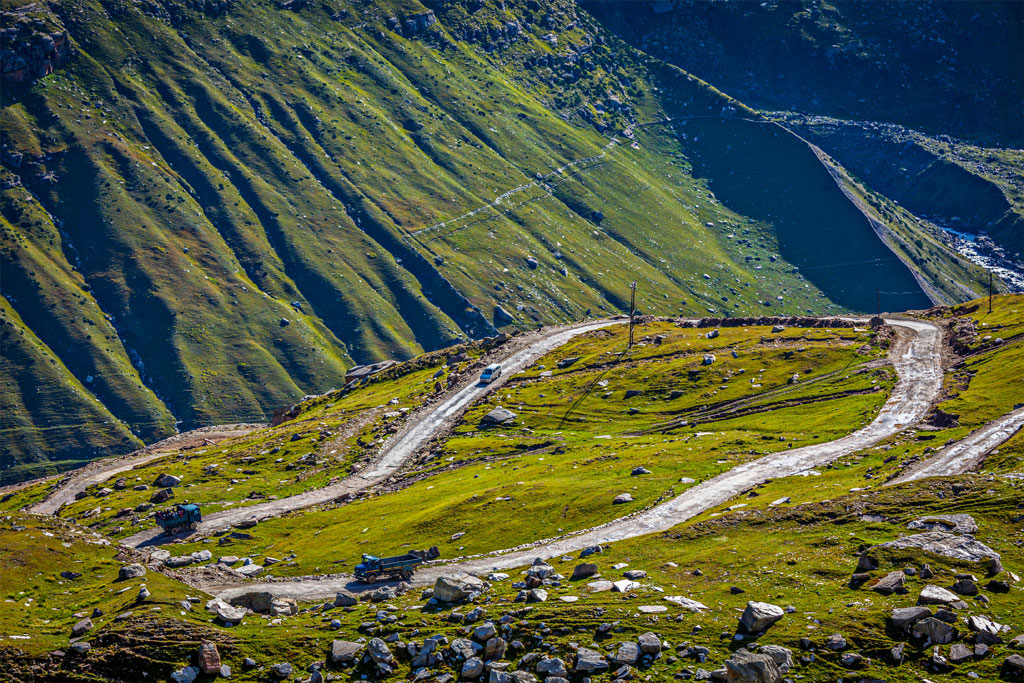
(491,373)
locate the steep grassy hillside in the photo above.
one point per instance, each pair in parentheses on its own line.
(212,209)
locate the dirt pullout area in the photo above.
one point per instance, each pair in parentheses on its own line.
(101,470)
(420,428)
(966,454)
(916,355)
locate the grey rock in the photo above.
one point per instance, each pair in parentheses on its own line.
(472,668)
(82,626)
(627,653)
(622,498)
(959,653)
(836,642)
(949,545)
(584,570)
(499,416)
(905,617)
(131,571)
(934,595)
(934,630)
(954,523)
(589,661)
(553,666)
(81,647)
(783,656)
(760,615)
(650,643)
(456,587)
(747,667)
(344,600)
(281,670)
(890,583)
(185,675)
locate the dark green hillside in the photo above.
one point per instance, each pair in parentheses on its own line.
(942,66)
(211,209)
(828,240)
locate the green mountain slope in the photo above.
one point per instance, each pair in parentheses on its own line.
(214,208)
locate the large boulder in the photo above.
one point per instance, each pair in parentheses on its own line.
(208,657)
(747,667)
(344,651)
(905,617)
(949,545)
(890,583)
(498,416)
(457,587)
(131,571)
(552,666)
(934,630)
(783,656)
(167,481)
(583,571)
(650,643)
(81,627)
(760,615)
(589,661)
(627,653)
(958,523)
(936,595)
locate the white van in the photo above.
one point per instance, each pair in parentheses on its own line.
(491,373)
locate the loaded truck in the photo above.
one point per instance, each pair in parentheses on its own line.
(373,568)
(179,518)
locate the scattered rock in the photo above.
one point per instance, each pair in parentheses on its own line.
(457,587)
(82,626)
(584,570)
(185,675)
(890,583)
(498,416)
(905,617)
(622,498)
(760,615)
(747,667)
(344,651)
(946,544)
(934,595)
(935,631)
(954,523)
(208,658)
(281,670)
(131,571)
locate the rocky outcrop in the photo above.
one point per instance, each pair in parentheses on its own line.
(31,51)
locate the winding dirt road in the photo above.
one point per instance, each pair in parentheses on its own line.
(916,355)
(102,470)
(964,455)
(420,428)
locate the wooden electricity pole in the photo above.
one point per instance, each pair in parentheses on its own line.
(632,311)
(990,291)
(878,302)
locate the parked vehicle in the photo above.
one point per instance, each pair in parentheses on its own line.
(373,568)
(182,516)
(491,373)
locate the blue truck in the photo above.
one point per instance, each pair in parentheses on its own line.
(179,518)
(373,568)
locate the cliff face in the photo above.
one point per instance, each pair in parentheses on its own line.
(32,45)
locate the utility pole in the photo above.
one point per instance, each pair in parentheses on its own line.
(878,302)
(990,291)
(632,311)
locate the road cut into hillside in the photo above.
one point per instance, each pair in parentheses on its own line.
(967,453)
(916,356)
(99,471)
(420,428)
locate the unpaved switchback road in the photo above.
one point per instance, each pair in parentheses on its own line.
(916,355)
(965,454)
(102,470)
(402,446)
